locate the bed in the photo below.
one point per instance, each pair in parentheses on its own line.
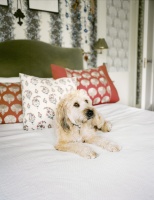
(31,168)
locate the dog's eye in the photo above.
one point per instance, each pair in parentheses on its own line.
(86,101)
(76,104)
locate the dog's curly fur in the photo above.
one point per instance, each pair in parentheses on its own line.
(77,123)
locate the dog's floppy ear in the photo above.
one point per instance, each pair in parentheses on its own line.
(61,116)
(98,121)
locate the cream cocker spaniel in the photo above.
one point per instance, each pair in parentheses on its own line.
(77,123)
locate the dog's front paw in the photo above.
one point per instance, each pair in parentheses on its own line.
(88,153)
(107,126)
(92,154)
(113,147)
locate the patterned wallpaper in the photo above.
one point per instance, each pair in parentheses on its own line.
(140,52)
(74,26)
(6,23)
(32,22)
(117,34)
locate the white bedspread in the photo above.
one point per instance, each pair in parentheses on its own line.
(31,169)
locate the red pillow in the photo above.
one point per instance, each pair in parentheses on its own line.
(95,81)
(10,103)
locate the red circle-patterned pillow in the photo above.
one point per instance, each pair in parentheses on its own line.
(10,103)
(95,81)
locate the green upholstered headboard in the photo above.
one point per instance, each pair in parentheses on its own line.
(34,58)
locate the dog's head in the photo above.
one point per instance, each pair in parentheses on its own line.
(76,108)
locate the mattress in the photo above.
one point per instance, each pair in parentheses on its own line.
(31,169)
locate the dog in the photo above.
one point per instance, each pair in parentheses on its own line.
(77,123)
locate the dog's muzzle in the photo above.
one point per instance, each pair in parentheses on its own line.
(89,114)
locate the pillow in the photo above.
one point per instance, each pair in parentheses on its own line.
(10,103)
(40,97)
(9,80)
(95,81)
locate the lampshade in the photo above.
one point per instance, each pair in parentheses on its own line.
(101,44)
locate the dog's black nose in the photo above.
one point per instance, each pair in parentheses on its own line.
(90,113)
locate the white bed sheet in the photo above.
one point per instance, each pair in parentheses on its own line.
(31,169)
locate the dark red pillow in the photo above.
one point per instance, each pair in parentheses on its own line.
(95,81)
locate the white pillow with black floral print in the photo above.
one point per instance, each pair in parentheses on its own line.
(40,97)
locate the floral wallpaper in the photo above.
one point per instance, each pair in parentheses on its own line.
(32,22)
(75,25)
(140,52)
(6,23)
(93,35)
(56,27)
(117,34)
